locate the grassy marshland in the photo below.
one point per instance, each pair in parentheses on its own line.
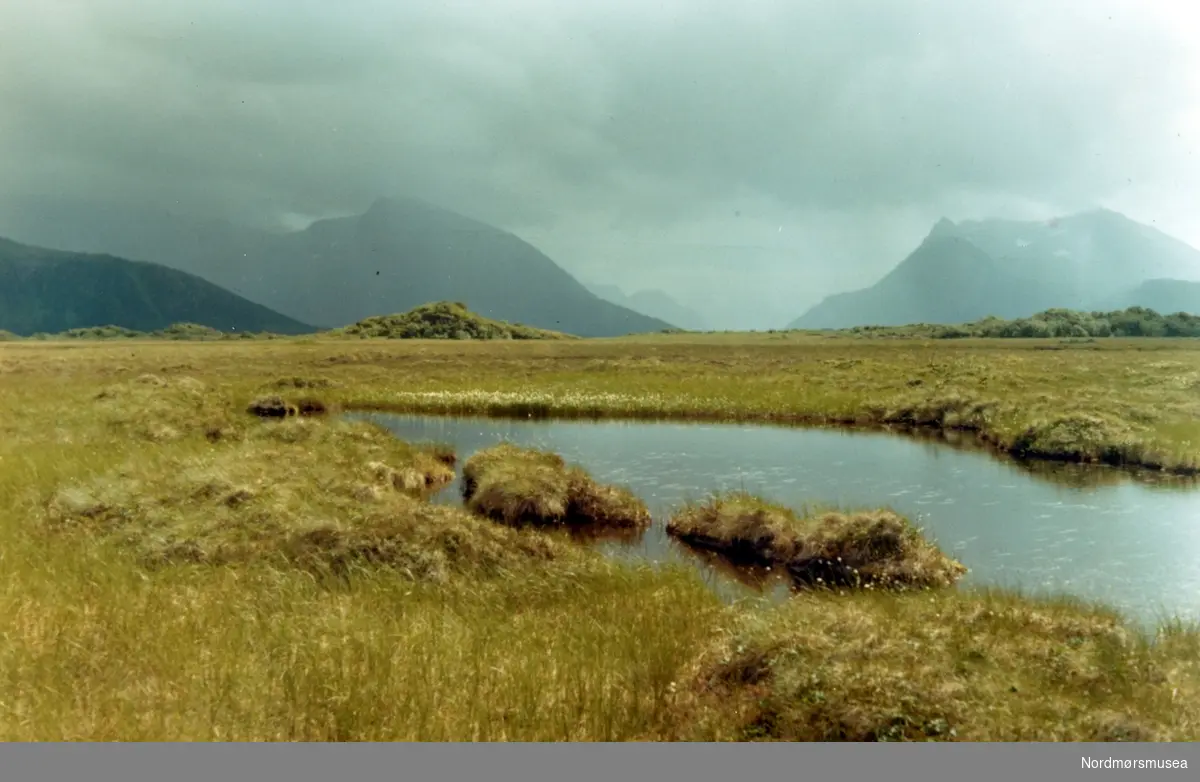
(173,566)
(878,548)
(524,486)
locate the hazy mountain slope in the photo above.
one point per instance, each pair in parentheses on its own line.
(51,291)
(611,293)
(1013,269)
(1164,296)
(1087,257)
(654,303)
(945,280)
(400,254)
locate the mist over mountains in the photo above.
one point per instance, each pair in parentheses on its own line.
(401,253)
(398,254)
(655,303)
(1095,260)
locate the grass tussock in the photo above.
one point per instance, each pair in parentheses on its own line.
(275,406)
(1083,437)
(866,549)
(300,492)
(442,452)
(164,409)
(527,486)
(943,666)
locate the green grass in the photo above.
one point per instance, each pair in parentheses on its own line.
(173,567)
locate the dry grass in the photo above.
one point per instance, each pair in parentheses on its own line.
(943,666)
(329,495)
(526,486)
(175,568)
(865,549)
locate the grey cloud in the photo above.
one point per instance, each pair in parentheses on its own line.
(602,128)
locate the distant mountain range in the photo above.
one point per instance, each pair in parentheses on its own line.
(1097,260)
(654,303)
(403,253)
(51,291)
(397,255)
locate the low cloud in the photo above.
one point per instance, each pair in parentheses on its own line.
(764,154)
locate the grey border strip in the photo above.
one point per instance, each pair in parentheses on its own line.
(585,762)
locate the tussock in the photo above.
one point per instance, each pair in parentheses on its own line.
(1084,437)
(526,486)
(877,548)
(942,666)
(443,452)
(301,492)
(271,407)
(162,410)
(275,406)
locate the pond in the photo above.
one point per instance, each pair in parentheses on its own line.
(1087,532)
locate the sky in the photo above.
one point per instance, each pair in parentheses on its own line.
(748,157)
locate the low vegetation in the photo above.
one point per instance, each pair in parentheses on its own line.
(943,667)
(437,320)
(1052,324)
(442,320)
(865,549)
(525,486)
(174,566)
(182,332)
(326,494)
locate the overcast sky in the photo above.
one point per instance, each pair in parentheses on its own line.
(762,153)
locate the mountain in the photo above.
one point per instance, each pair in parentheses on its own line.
(945,280)
(1161,295)
(52,291)
(1012,269)
(397,255)
(1086,257)
(654,303)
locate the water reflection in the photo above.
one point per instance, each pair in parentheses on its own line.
(1087,531)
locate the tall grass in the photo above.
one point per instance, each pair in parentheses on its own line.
(95,649)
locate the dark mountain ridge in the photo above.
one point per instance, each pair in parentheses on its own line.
(51,291)
(400,253)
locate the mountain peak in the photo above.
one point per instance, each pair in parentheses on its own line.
(388,212)
(943,227)
(388,205)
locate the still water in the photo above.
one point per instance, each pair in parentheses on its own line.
(1098,536)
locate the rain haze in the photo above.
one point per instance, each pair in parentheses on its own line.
(747,158)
